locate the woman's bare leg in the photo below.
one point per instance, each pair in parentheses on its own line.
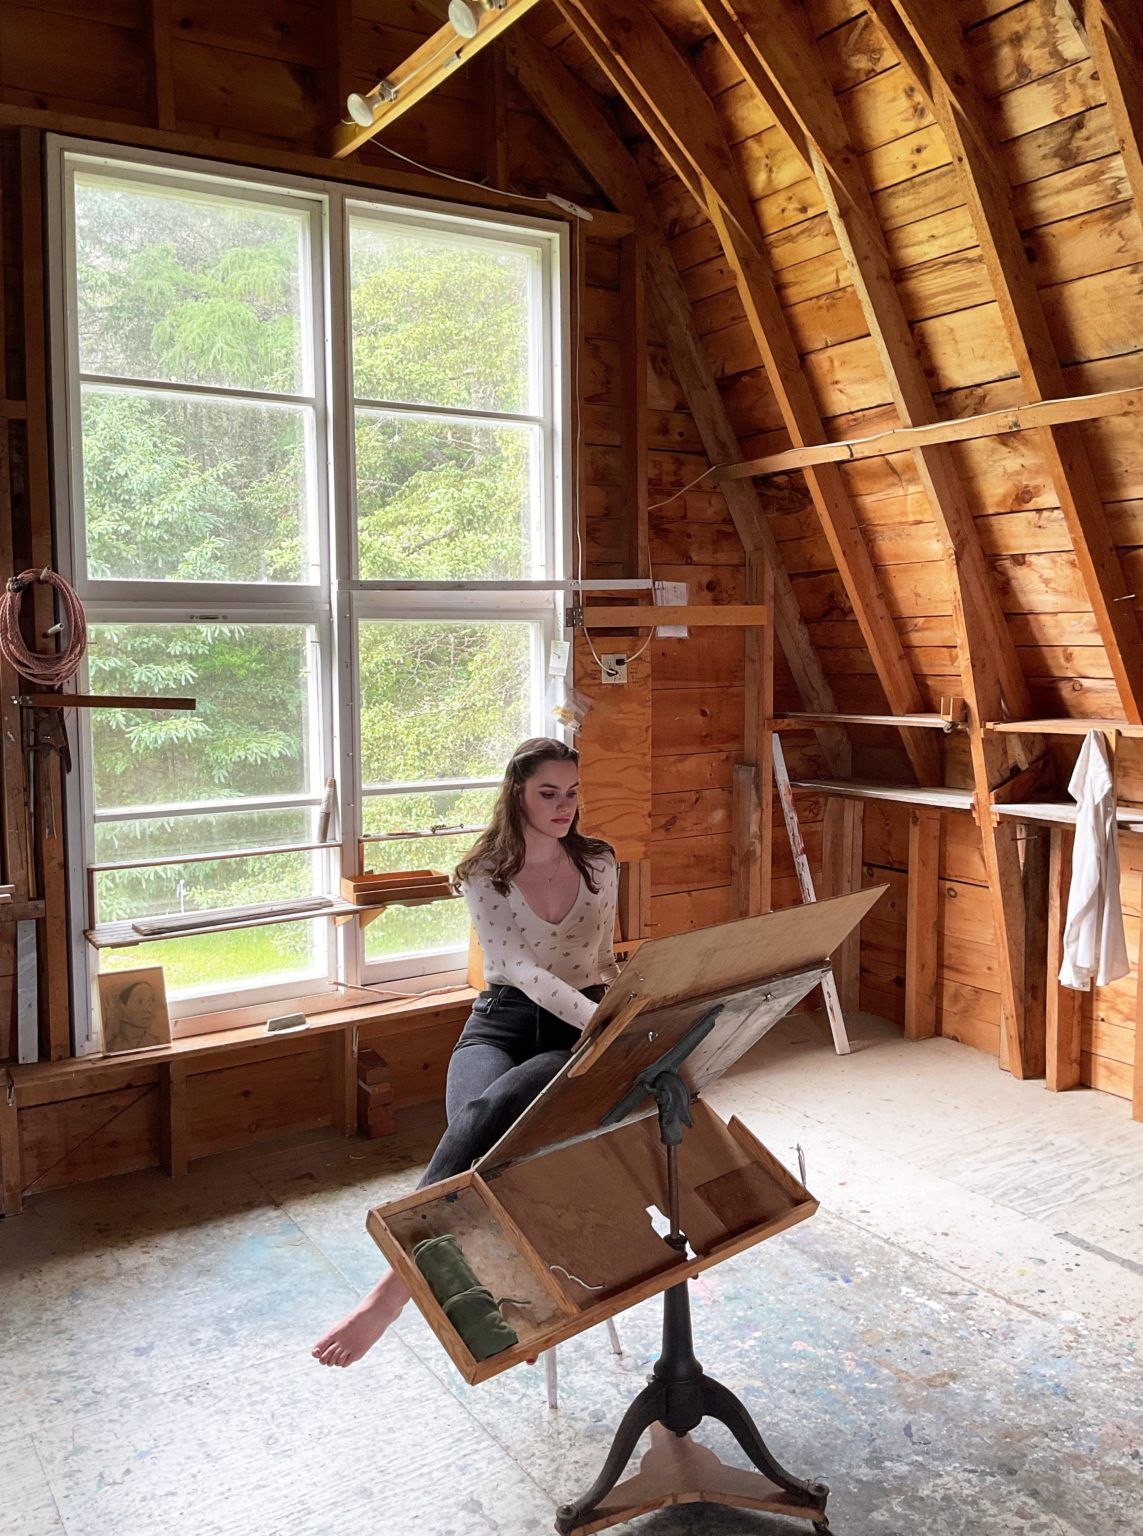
(348,1340)
(486,1093)
(472,1070)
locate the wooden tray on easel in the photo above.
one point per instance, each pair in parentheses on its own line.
(560,1196)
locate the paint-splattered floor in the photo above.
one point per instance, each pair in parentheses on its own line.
(952,1342)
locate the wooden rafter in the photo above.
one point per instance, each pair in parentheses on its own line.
(777,52)
(1115,37)
(567,106)
(929,42)
(960,429)
(424,69)
(654,80)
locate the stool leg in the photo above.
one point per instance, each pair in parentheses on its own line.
(550,1374)
(616,1348)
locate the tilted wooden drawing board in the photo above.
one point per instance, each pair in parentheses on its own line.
(751,967)
(563,1224)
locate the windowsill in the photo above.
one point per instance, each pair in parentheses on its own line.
(192,1046)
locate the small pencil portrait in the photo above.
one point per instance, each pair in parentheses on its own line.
(133,1007)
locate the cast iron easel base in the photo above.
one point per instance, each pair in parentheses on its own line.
(679,1395)
(677,1470)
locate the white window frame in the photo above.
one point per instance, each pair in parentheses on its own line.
(339,599)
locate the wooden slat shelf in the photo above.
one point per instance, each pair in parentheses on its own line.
(1062,813)
(900,722)
(939,798)
(1064,727)
(123,935)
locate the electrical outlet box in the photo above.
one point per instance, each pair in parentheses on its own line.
(614,667)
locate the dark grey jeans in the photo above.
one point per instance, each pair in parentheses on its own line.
(509,1050)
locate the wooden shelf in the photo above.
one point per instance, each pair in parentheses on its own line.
(1062,727)
(799,718)
(900,794)
(1062,813)
(18,911)
(124,936)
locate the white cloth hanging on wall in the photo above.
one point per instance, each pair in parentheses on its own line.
(1094,942)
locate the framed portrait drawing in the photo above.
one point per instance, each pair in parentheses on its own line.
(133,1008)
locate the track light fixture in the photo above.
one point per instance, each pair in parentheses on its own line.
(362,108)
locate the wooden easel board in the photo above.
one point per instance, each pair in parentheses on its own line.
(757,968)
(519,1230)
(710,961)
(556,1215)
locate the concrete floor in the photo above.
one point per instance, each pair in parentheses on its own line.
(952,1342)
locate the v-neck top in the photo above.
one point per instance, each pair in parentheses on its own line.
(549,962)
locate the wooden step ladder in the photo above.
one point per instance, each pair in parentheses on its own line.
(806,886)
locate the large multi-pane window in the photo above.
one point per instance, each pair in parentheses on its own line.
(309,450)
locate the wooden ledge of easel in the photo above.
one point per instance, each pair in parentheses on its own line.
(595,1045)
(679,1470)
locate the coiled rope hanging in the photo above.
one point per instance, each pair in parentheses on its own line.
(53,669)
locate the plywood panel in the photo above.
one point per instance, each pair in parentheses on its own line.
(615,748)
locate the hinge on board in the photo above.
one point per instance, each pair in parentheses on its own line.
(573,616)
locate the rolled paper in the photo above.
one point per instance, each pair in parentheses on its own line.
(480,1323)
(442,1262)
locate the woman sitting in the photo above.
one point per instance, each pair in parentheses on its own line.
(542,898)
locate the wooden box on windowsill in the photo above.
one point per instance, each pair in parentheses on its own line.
(560,1196)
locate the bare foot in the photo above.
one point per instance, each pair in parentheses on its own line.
(359,1331)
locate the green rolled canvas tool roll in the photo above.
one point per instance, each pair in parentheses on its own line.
(478,1319)
(469,1306)
(442,1262)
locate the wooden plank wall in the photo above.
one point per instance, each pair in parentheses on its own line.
(1084,241)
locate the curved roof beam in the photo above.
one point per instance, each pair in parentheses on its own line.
(655,81)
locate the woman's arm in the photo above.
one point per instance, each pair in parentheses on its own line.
(608,902)
(508,950)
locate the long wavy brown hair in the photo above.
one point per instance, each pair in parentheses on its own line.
(498,854)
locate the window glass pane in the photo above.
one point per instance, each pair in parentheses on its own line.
(171,888)
(441,320)
(248,736)
(421,812)
(188,287)
(440,925)
(217,962)
(443,700)
(186,489)
(157,837)
(446,500)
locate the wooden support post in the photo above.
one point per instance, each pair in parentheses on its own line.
(745,840)
(842,828)
(343,1079)
(921,924)
(173,1127)
(13,1184)
(633,319)
(162,79)
(1137,1069)
(1063,1005)
(55,1017)
(1035,863)
(495,87)
(759,712)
